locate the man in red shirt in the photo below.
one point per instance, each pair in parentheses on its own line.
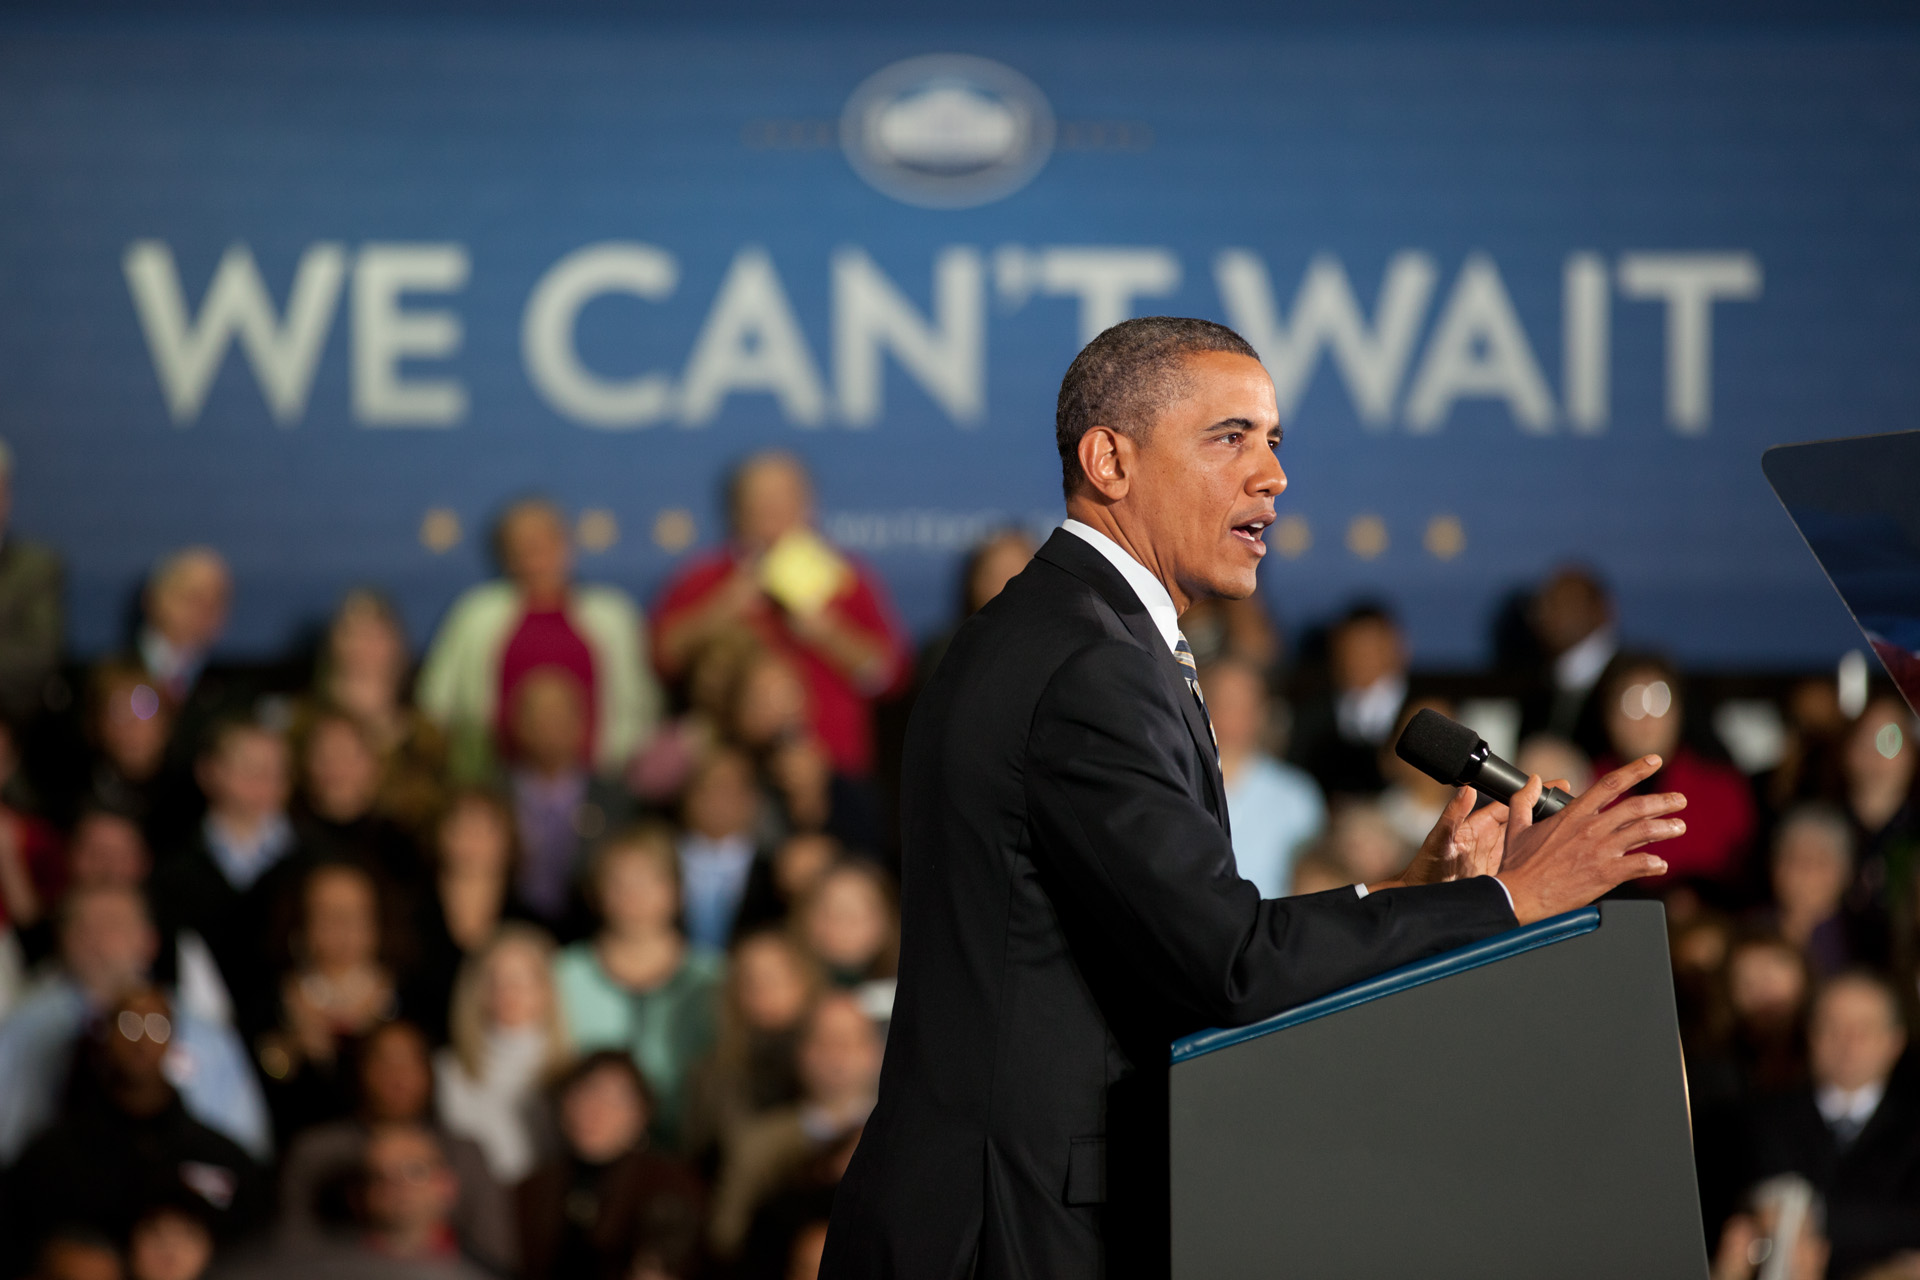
(829,615)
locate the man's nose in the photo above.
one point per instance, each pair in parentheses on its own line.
(1268,480)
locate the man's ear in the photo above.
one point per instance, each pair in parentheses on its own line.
(1106,458)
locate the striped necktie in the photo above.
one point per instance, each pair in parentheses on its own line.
(1183,654)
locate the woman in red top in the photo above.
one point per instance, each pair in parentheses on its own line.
(1642,711)
(849,649)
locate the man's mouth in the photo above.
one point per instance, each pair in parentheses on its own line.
(1251,532)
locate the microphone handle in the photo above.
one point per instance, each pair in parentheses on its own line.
(1503,782)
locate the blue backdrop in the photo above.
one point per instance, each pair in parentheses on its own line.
(324,294)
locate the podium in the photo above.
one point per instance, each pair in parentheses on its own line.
(1511,1110)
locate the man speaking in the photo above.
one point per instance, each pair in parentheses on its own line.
(1069,899)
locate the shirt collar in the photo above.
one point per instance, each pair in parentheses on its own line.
(1152,593)
(1858,1105)
(1579,667)
(242,863)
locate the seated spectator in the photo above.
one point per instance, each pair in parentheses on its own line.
(1767,988)
(32,623)
(77,1253)
(994,562)
(172,1240)
(1412,802)
(124,1141)
(1555,757)
(851,926)
(778,579)
(725,880)
(660,770)
(340,777)
(790,1226)
(1571,617)
(395,1083)
(607,1207)
(1809,767)
(1220,630)
(559,806)
(1854,1130)
(638,984)
(184,612)
(128,727)
(771,987)
(839,1079)
(233,879)
(509,1041)
(769,720)
(538,617)
(107,849)
(474,859)
(1811,869)
(1644,714)
(339,989)
(1341,729)
(1751,1245)
(799,863)
(1361,842)
(364,670)
(1878,767)
(107,946)
(1275,808)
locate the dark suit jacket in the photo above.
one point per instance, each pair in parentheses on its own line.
(1070,906)
(1871,1186)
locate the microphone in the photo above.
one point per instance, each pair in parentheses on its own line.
(1447,751)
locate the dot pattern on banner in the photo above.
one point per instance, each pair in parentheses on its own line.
(1291,536)
(1445,538)
(1367,537)
(673,529)
(596,530)
(439,530)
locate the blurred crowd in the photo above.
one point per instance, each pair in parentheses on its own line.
(566,948)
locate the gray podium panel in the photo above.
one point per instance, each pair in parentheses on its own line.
(1526,1118)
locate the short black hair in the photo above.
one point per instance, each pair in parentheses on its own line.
(1125,376)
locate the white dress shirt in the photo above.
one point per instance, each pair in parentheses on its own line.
(1855,1106)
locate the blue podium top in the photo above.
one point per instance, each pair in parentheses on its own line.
(1447,963)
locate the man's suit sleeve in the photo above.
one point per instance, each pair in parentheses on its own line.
(1117,828)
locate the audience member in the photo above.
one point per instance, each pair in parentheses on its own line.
(395,1088)
(609,1207)
(1342,728)
(771,987)
(724,878)
(639,984)
(475,855)
(1810,871)
(1364,844)
(778,579)
(32,623)
(1220,630)
(769,720)
(340,987)
(124,1141)
(364,670)
(1548,756)
(107,849)
(31,870)
(1572,620)
(1643,711)
(850,924)
(560,806)
(1316,871)
(534,618)
(183,614)
(1878,773)
(1809,767)
(340,773)
(1768,986)
(994,562)
(509,1040)
(107,945)
(230,882)
(839,1079)
(171,1240)
(128,727)
(1275,809)
(1854,1130)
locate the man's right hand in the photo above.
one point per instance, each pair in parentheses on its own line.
(1586,849)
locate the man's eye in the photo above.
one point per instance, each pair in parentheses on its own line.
(1232,437)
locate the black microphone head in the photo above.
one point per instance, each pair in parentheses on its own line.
(1438,747)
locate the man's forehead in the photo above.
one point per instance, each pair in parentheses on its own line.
(1218,385)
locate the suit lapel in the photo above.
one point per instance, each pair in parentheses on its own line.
(1070,552)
